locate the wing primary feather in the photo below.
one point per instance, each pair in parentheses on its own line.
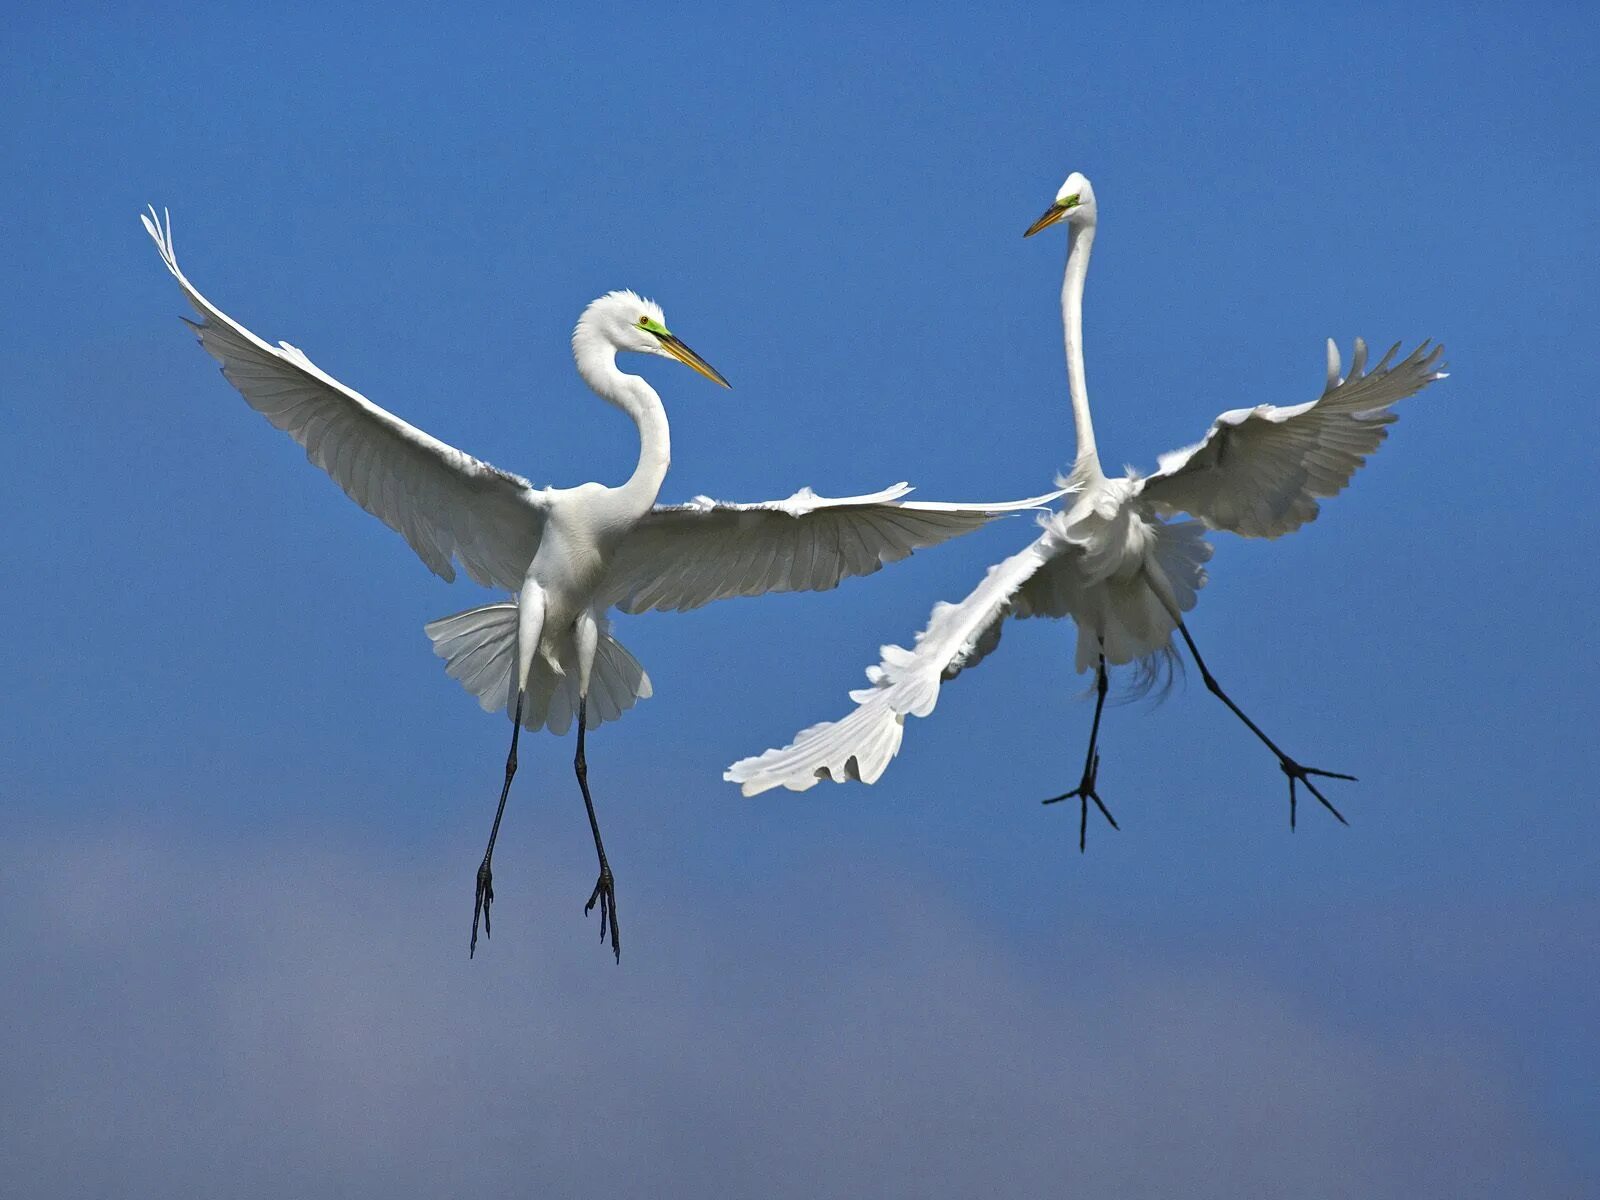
(414,483)
(1258,471)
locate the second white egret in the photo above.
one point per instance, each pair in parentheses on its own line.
(1111,559)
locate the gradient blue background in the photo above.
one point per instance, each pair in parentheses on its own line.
(243,803)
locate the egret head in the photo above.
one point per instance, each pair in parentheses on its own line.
(627,321)
(1074,204)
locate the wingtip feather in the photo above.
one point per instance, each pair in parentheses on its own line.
(159,227)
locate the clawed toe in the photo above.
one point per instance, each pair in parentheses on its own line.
(480,904)
(605,894)
(1083,793)
(1299,774)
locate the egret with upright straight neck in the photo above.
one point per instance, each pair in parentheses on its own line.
(1111,558)
(570,555)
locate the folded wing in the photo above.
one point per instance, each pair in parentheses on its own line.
(446,504)
(1259,471)
(686,555)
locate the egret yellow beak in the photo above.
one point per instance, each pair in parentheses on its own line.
(673,346)
(1054,213)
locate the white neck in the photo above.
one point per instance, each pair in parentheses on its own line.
(597,364)
(1080,240)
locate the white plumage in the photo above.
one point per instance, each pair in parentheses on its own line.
(1259,471)
(685,555)
(1110,559)
(479,647)
(446,504)
(568,554)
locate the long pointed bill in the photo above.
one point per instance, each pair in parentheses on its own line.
(1054,213)
(671,344)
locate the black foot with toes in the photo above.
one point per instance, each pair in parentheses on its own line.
(605,894)
(480,905)
(1299,774)
(1084,793)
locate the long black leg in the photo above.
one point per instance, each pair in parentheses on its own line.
(485,896)
(605,891)
(1292,769)
(1085,791)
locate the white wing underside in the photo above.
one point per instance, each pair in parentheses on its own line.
(446,504)
(905,683)
(1259,471)
(686,555)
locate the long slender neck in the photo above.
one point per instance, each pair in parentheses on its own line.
(1080,241)
(597,363)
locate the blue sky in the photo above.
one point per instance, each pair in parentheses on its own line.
(244,803)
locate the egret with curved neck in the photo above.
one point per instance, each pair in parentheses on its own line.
(557,621)
(571,555)
(596,341)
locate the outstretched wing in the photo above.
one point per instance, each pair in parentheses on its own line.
(446,504)
(1259,471)
(685,555)
(905,683)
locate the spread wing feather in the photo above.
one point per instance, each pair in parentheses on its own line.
(685,555)
(446,504)
(904,683)
(1259,471)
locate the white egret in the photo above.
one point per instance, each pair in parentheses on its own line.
(568,554)
(1110,559)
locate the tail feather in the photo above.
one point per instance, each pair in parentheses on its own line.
(616,682)
(479,647)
